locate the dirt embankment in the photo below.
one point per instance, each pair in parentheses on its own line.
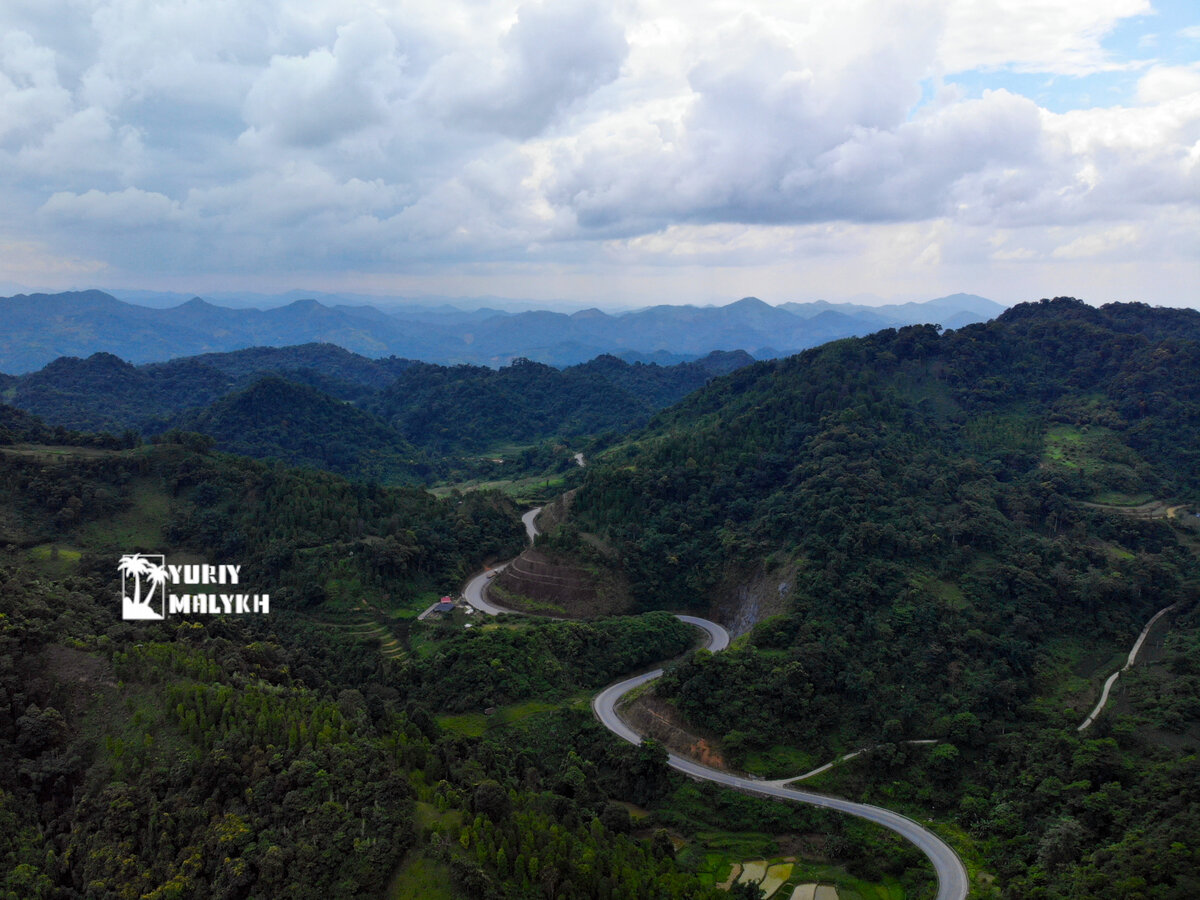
(654,718)
(536,582)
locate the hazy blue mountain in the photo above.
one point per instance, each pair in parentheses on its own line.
(963,308)
(38,328)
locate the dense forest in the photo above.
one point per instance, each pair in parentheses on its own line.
(321,751)
(389,420)
(957,522)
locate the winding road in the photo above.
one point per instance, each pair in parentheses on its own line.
(953,881)
(1112,679)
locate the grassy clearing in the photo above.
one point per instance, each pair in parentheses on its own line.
(775,877)
(754,871)
(420,878)
(1074,672)
(964,845)
(1114,473)
(1076,448)
(532,489)
(782,879)
(735,846)
(947,592)
(523,603)
(475,724)
(466,724)
(50,453)
(826,881)
(780,761)
(428,817)
(54,559)
(137,528)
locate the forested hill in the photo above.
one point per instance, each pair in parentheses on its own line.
(1070,402)
(947,525)
(295,754)
(391,419)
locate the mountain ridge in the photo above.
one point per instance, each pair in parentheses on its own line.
(38,328)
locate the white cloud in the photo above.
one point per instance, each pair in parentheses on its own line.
(655,134)
(331,91)
(1061,36)
(555,54)
(127,209)
(1164,83)
(31,97)
(1101,244)
(34,262)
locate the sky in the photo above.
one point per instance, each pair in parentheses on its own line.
(613,152)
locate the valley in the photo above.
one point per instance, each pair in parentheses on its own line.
(928,550)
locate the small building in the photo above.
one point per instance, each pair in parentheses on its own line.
(445,606)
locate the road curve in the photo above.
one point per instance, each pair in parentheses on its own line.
(953,882)
(475,591)
(529,521)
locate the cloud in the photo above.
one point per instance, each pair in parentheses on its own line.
(1165,83)
(1101,244)
(285,138)
(127,209)
(1063,36)
(31,97)
(555,54)
(34,262)
(329,92)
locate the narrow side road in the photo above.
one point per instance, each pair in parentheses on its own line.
(1112,679)
(953,882)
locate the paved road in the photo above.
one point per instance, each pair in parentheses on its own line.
(953,882)
(475,592)
(528,519)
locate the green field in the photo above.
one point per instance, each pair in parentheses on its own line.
(779,876)
(55,559)
(420,878)
(475,724)
(530,490)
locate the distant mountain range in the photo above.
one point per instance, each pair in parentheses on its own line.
(38,328)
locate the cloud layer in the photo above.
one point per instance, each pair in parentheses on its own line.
(568,146)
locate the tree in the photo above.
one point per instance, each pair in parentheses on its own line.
(492,801)
(615,818)
(1061,843)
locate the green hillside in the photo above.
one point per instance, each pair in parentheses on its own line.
(949,526)
(303,426)
(390,420)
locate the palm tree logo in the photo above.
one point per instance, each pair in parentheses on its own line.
(135,567)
